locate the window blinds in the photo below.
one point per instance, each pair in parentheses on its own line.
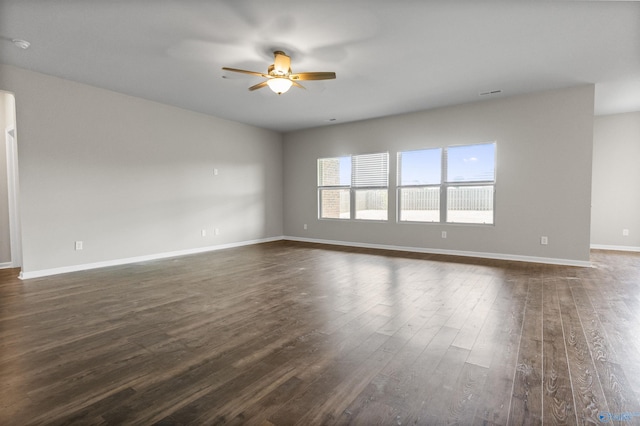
(370,170)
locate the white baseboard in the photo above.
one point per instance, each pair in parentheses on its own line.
(138,259)
(616,248)
(6,265)
(497,256)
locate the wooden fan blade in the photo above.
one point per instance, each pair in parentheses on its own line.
(313,76)
(281,63)
(258,86)
(259,74)
(298,85)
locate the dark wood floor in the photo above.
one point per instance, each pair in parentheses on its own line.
(291,333)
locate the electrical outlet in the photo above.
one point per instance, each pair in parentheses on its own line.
(78,245)
(216,231)
(625,232)
(444,234)
(215,172)
(204,232)
(304,226)
(544,240)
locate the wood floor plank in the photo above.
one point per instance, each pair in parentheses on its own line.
(588,395)
(558,398)
(335,408)
(498,389)
(409,394)
(471,328)
(615,384)
(526,402)
(287,333)
(377,399)
(465,401)
(444,405)
(332,376)
(609,298)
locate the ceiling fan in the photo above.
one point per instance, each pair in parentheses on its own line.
(279,76)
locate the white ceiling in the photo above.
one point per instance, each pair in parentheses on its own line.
(390,57)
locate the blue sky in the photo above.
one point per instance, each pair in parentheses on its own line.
(464,164)
(471,162)
(345,170)
(421,167)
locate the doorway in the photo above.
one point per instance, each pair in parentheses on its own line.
(11,248)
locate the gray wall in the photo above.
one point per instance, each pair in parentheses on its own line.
(616,181)
(130,177)
(544,150)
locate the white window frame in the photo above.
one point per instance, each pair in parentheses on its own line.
(324,187)
(358,183)
(444,186)
(400,186)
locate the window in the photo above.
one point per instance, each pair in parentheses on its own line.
(334,183)
(371,182)
(354,187)
(470,183)
(419,178)
(454,184)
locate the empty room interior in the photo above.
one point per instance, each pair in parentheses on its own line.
(319,212)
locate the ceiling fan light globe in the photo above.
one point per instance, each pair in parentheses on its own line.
(279,85)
